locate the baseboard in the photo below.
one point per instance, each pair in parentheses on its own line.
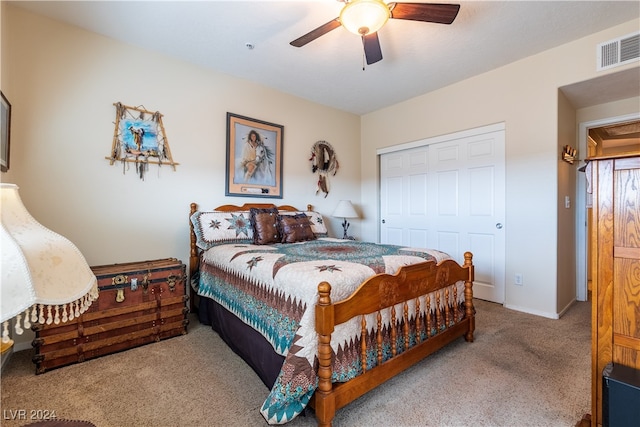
(21,346)
(24,340)
(567,307)
(535,312)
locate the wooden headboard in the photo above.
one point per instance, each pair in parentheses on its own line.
(247,206)
(194,255)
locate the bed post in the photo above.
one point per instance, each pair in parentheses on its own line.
(194,259)
(193,255)
(325,405)
(469,310)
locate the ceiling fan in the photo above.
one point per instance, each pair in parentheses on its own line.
(366,17)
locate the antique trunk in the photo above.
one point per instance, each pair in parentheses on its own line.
(138,303)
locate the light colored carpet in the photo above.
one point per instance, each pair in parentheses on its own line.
(521,370)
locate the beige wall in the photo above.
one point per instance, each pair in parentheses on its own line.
(524,95)
(619,108)
(566,274)
(63,81)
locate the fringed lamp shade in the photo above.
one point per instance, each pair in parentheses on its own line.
(45,278)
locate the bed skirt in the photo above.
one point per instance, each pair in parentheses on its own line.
(245,341)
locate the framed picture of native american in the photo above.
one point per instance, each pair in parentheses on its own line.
(254,157)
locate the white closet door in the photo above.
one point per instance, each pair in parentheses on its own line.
(404,198)
(450,195)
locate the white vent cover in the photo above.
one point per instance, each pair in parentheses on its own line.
(619,51)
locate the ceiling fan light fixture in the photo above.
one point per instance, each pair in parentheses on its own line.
(362,17)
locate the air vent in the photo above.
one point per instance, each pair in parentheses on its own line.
(618,52)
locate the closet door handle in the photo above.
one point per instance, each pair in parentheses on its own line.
(384,222)
(499,226)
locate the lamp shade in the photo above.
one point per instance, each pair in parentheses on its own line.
(362,17)
(45,278)
(345,210)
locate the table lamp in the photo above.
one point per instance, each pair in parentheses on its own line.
(345,210)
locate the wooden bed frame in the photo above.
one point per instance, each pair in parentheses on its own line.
(194,255)
(378,293)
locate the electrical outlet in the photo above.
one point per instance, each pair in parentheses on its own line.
(518,279)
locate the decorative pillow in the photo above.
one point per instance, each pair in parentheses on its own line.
(317,222)
(265,225)
(213,228)
(295,228)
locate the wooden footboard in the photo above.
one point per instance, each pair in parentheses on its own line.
(384,292)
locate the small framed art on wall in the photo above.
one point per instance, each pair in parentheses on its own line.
(5,117)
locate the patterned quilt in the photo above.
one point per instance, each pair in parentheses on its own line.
(273,288)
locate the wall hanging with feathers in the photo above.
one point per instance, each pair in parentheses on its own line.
(139,138)
(569,154)
(324,162)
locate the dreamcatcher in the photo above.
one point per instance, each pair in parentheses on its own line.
(324,163)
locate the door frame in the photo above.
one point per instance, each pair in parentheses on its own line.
(581,201)
(442,138)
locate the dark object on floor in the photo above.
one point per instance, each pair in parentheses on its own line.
(620,396)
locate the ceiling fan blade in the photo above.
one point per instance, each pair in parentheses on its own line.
(425,12)
(314,34)
(372,50)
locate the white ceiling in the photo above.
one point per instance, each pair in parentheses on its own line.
(418,57)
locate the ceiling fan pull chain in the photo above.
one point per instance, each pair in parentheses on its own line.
(364,56)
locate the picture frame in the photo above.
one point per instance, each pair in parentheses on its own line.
(5,133)
(254,157)
(139,137)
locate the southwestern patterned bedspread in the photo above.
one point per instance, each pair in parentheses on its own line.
(273,288)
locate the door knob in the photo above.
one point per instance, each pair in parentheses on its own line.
(499,226)
(383,221)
